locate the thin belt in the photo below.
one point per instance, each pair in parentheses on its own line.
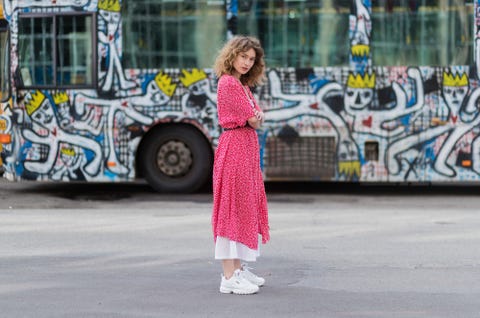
(238,127)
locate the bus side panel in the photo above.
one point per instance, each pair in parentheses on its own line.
(439,126)
(399,124)
(73,132)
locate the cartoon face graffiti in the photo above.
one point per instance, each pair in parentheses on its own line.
(360,31)
(348,160)
(199,87)
(68,155)
(357,99)
(157,96)
(63,110)
(454,90)
(347,151)
(359,93)
(112,19)
(110,12)
(44,115)
(61,101)
(39,109)
(196,81)
(160,89)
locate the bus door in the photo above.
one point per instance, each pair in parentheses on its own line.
(5,121)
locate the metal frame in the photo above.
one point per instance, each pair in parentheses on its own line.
(6,28)
(94,70)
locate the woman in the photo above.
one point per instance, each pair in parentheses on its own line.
(239,202)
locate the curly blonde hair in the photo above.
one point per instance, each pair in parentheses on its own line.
(227,55)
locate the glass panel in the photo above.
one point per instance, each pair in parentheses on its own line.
(298,33)
(4,64)
(170,34)
(74,50)
(425,32)
(35,40)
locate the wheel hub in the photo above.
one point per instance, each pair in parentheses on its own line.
(174,158)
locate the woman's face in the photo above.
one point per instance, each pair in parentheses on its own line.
(243,62)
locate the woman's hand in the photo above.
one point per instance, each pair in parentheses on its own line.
(257,120)
(254,122)
(260,116)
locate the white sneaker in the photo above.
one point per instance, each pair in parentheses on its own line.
(251,277)
(237,284)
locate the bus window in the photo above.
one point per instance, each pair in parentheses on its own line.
(4,62)
(60,57)
(172,34)
(74,50)
(426,32)
(371,150)
(298,33)
(35,50)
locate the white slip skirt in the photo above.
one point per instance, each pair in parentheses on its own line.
(227,249)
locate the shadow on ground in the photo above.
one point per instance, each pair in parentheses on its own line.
(141,190)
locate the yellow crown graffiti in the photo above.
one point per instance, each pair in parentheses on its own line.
(450,80)
(189,78)
(360,50)
(33,102)
(349,169)
(359,81)
(68,151)
(60,98)
(109,5)
(164,82)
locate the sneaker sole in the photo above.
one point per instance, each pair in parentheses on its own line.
(237,292)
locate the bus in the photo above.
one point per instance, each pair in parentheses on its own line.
(355,90)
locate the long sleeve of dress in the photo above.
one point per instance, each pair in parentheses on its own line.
(234,108)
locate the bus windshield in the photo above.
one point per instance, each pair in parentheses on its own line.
(4,58)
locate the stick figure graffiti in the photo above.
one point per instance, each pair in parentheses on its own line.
(360,36)
(315,106)
(200,100)
(158,92)
(109,11)
(359,96)
(369,123)
(41,112)
(91,122)
(462,116)
(67,167)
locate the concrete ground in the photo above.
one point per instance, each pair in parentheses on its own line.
(130,252)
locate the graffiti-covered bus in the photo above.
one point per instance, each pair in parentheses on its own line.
(355,90)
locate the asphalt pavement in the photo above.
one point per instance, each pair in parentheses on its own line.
(99,250)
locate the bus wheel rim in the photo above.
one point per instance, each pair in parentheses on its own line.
(174,158)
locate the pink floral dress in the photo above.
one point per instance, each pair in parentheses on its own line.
(240,211)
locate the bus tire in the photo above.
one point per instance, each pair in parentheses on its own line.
(176,158)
